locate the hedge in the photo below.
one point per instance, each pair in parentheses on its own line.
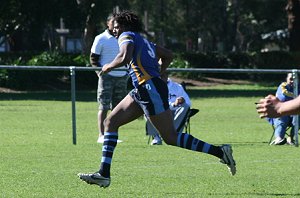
(45,80)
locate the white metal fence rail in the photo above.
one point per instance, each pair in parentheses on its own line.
(73,70)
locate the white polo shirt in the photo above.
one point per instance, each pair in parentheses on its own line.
(175,91)
(107,47)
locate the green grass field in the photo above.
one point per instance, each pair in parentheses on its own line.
(38,158)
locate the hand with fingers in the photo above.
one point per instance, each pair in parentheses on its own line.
(105,69)
(268,107)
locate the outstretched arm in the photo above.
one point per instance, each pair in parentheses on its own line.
(272,107)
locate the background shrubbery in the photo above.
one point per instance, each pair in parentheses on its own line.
(40,80)
(44,79)
(266,60)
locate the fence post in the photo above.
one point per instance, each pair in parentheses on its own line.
(73,97)
(296,117)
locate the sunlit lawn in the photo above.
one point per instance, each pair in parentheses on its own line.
(38,158)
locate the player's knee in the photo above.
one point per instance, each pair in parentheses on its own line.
(107,124)
(110,125)
(169,140)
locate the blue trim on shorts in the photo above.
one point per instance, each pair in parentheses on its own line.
(151,96)
(155,97)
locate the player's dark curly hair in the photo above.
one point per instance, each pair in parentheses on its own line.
(129,21)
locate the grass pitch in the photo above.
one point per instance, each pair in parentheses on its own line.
(38,158)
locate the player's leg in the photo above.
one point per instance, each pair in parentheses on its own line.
(152,132)
(126,111)
(163,122)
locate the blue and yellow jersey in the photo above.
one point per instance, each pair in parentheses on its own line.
(144,64)
(285,92)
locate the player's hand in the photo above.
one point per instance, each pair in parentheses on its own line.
(268,107)
(105,69)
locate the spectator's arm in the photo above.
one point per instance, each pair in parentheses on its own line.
(94,60)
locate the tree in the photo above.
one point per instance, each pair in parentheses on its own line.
(88,7)
(217,25)
(23,23)
(95,13)
(248,20)
(293,12)
(11,22)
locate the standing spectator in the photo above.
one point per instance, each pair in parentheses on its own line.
(149,97)
(179,103)
(111,86)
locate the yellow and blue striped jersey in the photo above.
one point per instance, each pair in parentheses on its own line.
(144,64)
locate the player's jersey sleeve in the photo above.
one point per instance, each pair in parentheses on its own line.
(125,38)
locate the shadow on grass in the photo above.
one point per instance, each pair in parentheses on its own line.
(50,95)
(262,194)
(249,143)
(91,95)
(216,93)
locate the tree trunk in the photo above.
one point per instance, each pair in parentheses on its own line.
(89,7)
(89,32)
(236,37)
(293,13)
(15,41)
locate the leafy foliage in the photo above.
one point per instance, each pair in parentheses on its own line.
(87,80)
(219,25)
